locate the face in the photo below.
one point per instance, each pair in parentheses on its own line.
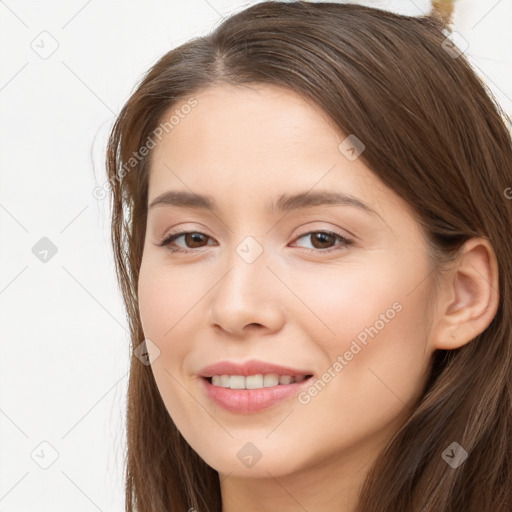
(327,287)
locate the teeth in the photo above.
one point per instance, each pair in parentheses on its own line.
(237,382)
(272,379)
(223,381)
(254,381)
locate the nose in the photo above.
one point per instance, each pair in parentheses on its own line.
(247,299)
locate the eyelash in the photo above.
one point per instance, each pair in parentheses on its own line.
(345,242)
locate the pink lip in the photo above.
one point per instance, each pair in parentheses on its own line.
(252,367)
(247,401)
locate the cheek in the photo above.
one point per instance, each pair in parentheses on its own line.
(165,296)
(380,298)
(371,327)
(343,301)
(165,305)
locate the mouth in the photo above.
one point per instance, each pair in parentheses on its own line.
(252,393)
(257,381)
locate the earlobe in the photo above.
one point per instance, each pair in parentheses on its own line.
(470,296)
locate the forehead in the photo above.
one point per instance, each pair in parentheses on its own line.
(244,120)
(259,141)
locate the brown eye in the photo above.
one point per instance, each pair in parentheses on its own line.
(193,240)
(323,241)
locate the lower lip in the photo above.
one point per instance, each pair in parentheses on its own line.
(247,401)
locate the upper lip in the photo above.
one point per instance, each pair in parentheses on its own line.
(252,367)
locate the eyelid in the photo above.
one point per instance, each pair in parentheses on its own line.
(320,226)
(298,231)
(185,228)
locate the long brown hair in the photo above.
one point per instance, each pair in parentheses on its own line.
(434,134)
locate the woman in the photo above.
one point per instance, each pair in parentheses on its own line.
(311,230)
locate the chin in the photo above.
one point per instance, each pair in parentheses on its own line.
(248,460)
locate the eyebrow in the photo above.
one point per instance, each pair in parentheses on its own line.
(283,203)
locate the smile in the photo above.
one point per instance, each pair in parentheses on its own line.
(253,393)
(254,381)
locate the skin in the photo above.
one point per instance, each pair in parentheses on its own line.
(244,146)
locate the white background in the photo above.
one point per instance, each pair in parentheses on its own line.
(64,363)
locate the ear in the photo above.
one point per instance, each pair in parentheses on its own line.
(469,297)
